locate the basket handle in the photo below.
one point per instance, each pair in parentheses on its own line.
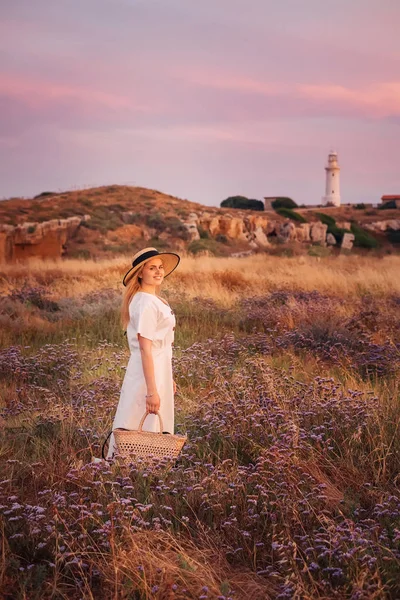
(144,417)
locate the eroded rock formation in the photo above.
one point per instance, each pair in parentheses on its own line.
(43,240)
(382,226)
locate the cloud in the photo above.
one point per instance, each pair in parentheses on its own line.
(376,100)
(27,102)
(39,93)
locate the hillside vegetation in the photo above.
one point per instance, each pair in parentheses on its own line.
(123,219)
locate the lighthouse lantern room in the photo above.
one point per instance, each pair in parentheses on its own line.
(332,184)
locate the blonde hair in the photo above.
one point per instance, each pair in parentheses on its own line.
(132,287)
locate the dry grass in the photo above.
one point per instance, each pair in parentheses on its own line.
(286,443)
(170,561)
(223,280)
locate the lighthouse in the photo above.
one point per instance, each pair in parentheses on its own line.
(332,184)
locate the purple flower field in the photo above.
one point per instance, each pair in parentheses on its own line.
(288,486)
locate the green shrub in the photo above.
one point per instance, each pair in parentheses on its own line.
(158,243)
(362,238)
(175,226)
(291,214)
(203,233)
(156,221)
(393,236)
(32,229)
(336,231)
(87,202)
(360,206)
(242,202)
(103,219)
(44,194)
(203,245)
(283,202)
(133,218)
(326,219)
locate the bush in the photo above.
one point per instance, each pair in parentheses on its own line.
(87,202)
(326,219)
(34,296)
(242,202)
(103,219)
(291,214)
(133,218)
(210,246)
(394,236)
(44,194)
(363,239)
(156,221)
(175,226)
(360,206)
(283,202)
(203,233)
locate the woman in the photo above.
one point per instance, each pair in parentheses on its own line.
(150,323)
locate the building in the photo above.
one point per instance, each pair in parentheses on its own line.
(395,199)
(332,181)
(268,200)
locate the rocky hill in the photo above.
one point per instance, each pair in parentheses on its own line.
(100,222)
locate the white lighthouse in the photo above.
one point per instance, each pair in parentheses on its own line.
(332,185)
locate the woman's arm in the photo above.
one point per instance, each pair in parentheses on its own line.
(153,401)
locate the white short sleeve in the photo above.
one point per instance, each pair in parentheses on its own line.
(146,317)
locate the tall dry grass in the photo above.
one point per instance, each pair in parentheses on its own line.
(221,279)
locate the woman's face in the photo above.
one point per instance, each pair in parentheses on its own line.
(153,272)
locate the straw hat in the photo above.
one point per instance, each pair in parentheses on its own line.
(170,261)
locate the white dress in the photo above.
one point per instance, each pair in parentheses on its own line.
(154,320)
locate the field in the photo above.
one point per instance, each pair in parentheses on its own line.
(288,388)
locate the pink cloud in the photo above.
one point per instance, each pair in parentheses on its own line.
(231,82)
(378,100)
(373,100)
(39,93)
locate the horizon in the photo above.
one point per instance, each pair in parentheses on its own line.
(50,193)
(200,102)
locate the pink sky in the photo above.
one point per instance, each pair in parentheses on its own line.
(200,100)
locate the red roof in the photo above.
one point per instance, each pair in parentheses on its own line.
(396,197)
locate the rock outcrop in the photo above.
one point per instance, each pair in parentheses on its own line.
(191,226)
(318,233)
(257,229)
(382,226)
(347,241)
(54,238)
(330,239)
(43,240)
(286,232)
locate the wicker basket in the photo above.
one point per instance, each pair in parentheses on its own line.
(147,444)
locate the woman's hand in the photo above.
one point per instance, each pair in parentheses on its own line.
(153,403)
(174,386)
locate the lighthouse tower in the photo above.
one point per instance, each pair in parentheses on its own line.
(332,185)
